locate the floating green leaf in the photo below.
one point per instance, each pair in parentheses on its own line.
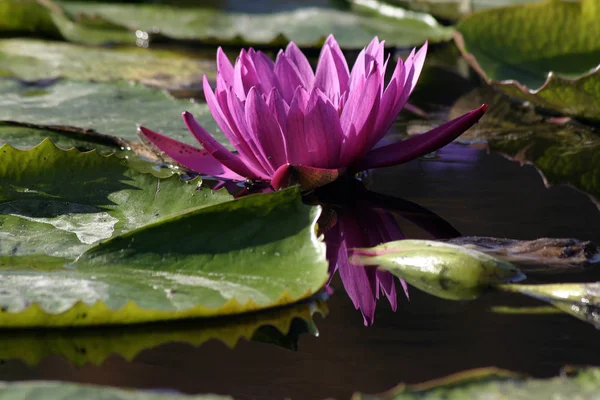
(108,108)
(276,23)
(253,253)
(448,271)
(452,9)
(36,59)
(66,391)
(518,61)
(563,153)
(581,300)
(94,345)
(492,383)
(58,203)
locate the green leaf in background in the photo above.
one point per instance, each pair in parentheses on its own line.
(305,24)
(46,390)
(24,136)
(32,60)
(563,153)
(492,383)
(94,345)
(515,48)
(444,270)
(453,9)
(248,254)
(581,300)
(58,203)
(108,108)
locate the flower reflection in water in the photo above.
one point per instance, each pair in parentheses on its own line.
(356,217)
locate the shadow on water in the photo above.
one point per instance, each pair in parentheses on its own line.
(483,195)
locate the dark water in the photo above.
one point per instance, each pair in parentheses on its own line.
(426,338)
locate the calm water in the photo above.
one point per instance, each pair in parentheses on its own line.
(426,338)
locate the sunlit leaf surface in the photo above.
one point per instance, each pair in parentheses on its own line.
(518,61)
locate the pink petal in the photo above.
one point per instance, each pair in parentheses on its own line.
(224,67)
(278,107)
(323,131)
(420,145)
(359,117)
(265,68)
(326,77)
(190,157)
(341,66)
(220,153)
(302,65)
(294,132)
(287,76)
(358,71)
(263,125)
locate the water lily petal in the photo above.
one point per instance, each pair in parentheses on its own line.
(288,77)
(265,68)
(302,65)
(326,77)
(294,132)
(323,131)
(224,68)
(190,157)
(339,60)
(422,144)
(217,150)
(263,125)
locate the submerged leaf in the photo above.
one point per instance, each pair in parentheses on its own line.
(34,60)
(443,270)
(94,345)
(493,383)
(108,108)
(581,300)
(538,62)
(563,153)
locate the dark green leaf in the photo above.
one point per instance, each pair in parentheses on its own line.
(35,60)
(518,60)
(108,108)
(564,153)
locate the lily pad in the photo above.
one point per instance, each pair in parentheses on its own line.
(563,153)
(108,108)
(93,345)
(253,253)
(64,391)
(34,60)
(276,23)
(58,203)
(444,270)
(492,383)
(538,62)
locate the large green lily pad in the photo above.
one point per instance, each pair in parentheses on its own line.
(169,255)
(58,203)
(94,345)
(515,49)
(65,391)
(453,9)
(108,108)
(306,23)
(491,383)
(563,153)
(37,59)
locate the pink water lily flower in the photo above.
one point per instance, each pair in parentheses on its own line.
(292,125)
